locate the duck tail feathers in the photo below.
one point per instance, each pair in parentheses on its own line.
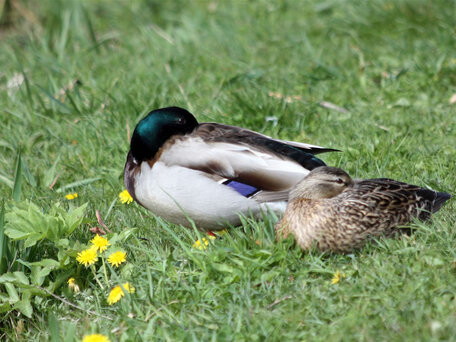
(321,150)
(439,200)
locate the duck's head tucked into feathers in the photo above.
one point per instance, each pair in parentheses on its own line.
(322,182)
(152,131)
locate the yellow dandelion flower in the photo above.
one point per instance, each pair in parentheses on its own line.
(72,285)
(96,338)
(125,197)
(201,244)
(337,277)
(87,257)
(117,293)
(71,196)
(100,243)
(115,259)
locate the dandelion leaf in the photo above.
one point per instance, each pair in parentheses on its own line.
(26,221)
(24,305)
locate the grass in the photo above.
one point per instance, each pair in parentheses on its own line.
(88,71)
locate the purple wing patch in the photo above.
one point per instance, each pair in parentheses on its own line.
(244,189)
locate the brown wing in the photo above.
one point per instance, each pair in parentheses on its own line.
(386,201)
(215,132)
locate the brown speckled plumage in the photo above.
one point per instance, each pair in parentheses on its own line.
(359,211)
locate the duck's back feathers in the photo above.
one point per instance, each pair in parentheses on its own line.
(214,132)
(238,154)
(394,196)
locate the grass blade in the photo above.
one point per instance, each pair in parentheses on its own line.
(64,34)
(65,109)
(27,174)
(3,242)
(70,98)
(78,183)
(17,186)
(26,81)
(92,34)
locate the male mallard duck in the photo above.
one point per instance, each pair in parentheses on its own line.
(210,172)
(329,209)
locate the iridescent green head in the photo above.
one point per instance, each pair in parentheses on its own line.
(157,127)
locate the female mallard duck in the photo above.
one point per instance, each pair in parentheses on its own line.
(328,209)
(210,173)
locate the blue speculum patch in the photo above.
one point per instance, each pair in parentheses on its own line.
(244,189)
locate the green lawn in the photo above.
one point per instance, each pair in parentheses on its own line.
(75,78)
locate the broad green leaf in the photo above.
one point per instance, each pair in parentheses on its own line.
(16,278)
(24,305)
(49,263)
(32,240)
(12,292)
(27,222)
(18,282)
(74,218)
(21,278)
(63,243)
(38,275)
(17,234)
(7,278)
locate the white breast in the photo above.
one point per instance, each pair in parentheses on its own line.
(174,192)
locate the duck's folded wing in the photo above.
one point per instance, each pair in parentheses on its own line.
(392,195)
(250,164)
(301,153)
(384,193)
(216,132)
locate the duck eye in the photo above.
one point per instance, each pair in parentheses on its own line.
(180,120)
(339,181)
